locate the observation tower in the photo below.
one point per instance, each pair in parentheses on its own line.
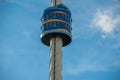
(56,33)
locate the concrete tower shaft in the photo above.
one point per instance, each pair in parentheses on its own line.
(55,2)
(55,59)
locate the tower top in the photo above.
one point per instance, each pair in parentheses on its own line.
(55,2)
(56,22)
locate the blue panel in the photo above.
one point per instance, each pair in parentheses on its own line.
(56,25)
(57,16)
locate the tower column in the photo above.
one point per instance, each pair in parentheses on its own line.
(55,58)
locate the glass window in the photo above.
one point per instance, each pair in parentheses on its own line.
(50,24)
(45,18)
(66,27)
(54,16)
(49,16)
(69,19)
(62,16)
(44,26)
(65,18)
(63,25)
(54,24)
(57,16)
(58,24)
(69,28)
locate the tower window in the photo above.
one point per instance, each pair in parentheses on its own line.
(58,25)
(54,16)
(50,24)
(47,17)
(57,16)
(62,16)
(54,24)
(50,16)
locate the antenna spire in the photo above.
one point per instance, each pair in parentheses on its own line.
(55,2)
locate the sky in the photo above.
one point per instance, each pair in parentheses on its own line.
(94,53)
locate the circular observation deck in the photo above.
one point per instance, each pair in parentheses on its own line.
(56,21)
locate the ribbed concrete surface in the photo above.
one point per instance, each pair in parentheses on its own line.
(55,59)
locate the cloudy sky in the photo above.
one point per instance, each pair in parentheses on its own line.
(94,53)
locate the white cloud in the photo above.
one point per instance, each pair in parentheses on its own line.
(106,21)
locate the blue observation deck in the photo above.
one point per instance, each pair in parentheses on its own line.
(56,21)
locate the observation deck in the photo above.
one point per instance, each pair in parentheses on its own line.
(56,21)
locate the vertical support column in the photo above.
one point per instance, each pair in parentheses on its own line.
(55,59)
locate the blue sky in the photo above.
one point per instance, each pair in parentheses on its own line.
(94,53)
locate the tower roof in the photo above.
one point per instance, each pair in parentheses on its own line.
(55,2)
